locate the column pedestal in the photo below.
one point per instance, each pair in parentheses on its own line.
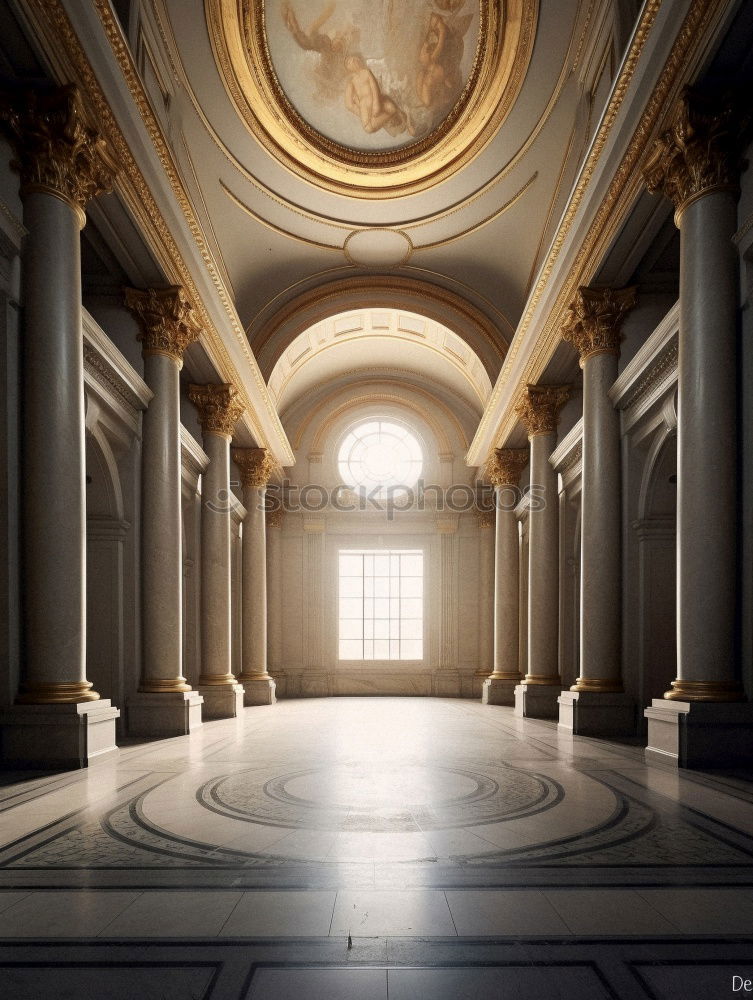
(499,690)
(699,733)
(596,713)
(260,691)
(537,701)
(169,713)
(223,701)
(65,736)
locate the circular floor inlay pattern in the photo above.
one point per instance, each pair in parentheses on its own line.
(356,796)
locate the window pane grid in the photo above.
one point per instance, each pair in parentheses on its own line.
(381,605)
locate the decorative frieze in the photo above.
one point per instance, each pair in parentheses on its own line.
(167,320)
(593,323)
(219,407)
(506,466)
(539,407)
(256,466)
(699,151)
(57,150)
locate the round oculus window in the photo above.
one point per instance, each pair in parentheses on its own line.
(379,458)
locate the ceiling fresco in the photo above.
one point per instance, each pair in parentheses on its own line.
(373,74)
(373,98)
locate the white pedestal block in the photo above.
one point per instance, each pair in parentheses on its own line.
(498,692)
(173,713)
(590,713)
(69,735)
(221,702)
(537,701)
(699,734)
(261,692)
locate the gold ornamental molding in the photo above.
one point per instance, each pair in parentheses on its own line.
(68,59)
(58,151)
(506,32)
(506,465)
(621,194)
(593,323)
(219,408)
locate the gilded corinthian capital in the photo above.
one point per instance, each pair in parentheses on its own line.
(256,466)
(593,323)
(167,320)
(219,407)
(506,465)
(57,150)
(699,151)
(539,407)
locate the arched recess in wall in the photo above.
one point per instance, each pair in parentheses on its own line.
(657,567)
(271,336)
(105,538)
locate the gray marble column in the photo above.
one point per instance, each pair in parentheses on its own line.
(63,163)
(537,695)
(696,163)
(256,467)
(219,411)
(165,704)
(596,703)
(275,557)
(486,524)
(504,472)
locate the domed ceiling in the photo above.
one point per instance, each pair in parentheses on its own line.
(373,97)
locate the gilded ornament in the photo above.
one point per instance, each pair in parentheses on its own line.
(506,465)
(716,691)
(219,407)
(699,151)
(246,33)
(539,407)
(167,320)
(256,466)
(57,150)
(593,323)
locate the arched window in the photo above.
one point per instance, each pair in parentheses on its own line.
(378,457)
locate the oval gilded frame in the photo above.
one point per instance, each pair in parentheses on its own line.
(506,36)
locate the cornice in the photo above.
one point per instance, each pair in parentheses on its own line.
(110,369)
(651,372)
(193,457)
(601,200)
(569,451)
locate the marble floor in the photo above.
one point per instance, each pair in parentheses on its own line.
(390,847)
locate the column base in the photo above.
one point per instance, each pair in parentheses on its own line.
(499,690)
(174,713)
(699,734)
(537,701)
(591,713)
(221,701)
(259,692)
(65,735)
